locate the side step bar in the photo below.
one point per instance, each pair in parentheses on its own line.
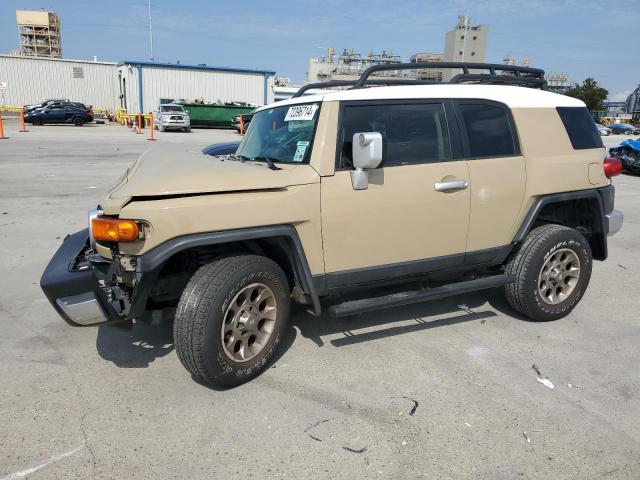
(417,296)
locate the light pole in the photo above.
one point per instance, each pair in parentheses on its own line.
(150,33)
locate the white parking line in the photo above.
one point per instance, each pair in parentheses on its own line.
(29,471)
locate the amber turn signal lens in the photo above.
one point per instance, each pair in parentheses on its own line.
(114,230)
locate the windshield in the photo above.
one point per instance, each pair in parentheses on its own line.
(171,108)
(282,134)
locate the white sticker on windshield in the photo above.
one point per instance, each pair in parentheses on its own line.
(301,149)
(301,112)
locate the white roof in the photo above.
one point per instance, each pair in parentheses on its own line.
(514,97)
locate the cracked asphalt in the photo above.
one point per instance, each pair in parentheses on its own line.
(440,390)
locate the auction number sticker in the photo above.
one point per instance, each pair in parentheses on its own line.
(301,112)
(301,149)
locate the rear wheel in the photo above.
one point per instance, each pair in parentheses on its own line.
(78,122)
(230,319)
(552,270)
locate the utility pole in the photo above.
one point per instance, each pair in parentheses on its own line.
(150,33)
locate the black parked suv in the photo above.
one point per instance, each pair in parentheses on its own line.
(75,113)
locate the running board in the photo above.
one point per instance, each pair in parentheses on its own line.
(417,296)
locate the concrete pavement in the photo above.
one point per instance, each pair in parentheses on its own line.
(438,390)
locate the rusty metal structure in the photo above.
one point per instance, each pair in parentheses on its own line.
(39,34)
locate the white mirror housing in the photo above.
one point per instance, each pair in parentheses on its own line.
(366,154)
(367,150)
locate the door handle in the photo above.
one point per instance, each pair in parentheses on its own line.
(454,185)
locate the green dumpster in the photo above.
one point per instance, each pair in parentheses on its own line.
(216,116)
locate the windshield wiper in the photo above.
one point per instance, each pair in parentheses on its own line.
(269,161)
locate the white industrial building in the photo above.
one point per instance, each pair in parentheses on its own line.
(28,80)
(177,81)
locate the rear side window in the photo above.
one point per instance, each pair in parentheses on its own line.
(411,133)
(580,127)
(489,130)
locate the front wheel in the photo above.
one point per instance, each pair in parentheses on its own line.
(552,270)
(36,121)
(230,319)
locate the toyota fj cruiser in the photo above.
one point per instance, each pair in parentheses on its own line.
(486,181)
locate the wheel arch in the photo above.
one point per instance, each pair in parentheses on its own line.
(582,210)
(281,243)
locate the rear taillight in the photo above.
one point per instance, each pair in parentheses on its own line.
(612,167)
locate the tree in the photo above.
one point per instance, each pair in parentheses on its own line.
(590,93)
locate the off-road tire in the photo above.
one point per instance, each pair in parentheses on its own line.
(200,315)
(541,243)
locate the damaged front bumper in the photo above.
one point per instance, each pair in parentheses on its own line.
(78,284)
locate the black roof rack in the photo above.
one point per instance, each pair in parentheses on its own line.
(351,83)
(511,74)
(496,74)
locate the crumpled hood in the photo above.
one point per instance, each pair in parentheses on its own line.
(168,170)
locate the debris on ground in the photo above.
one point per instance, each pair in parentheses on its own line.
(404,443)
(415,405)
(91,187)
(314,426)
(622,266)
(467,424)
(317,439)
(354,450)
(546,382)
(413,409)
(573,385)
(476,383)
(526,434)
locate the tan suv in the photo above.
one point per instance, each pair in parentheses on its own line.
(483,182)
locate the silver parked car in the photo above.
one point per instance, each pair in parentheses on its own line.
(171,116)
(604,131)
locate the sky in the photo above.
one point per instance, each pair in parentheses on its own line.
(584,38)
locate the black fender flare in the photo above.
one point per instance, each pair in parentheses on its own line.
(604,197)
(149,265)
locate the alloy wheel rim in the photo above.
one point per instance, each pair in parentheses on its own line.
(559,276)
(249,322)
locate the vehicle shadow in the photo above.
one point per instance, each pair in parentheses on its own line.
(451,311)
(136,345)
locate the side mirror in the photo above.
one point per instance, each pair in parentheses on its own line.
(366,154)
